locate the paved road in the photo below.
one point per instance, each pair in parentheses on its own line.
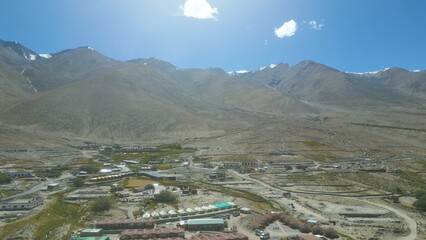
(40,186)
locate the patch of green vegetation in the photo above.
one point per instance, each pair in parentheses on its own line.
(389,127)
(89,168)
(4,178)
(238,193)
(52,217)
(170,146)
(7,193)
(78,182)
(102,204)
(134,168)
(150,156)
(166,197)
(165,166)
(238,158)
(420,204)
(412,178)
(146,206)
(321,157)
(405,184)
(313,144)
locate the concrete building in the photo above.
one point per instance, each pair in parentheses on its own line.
(232,164)
(228,236)
(20,174)
(307,237)
(85,194)
(104,237)
(53,186)
(126,224)
(91,232)
(152,233)
(21,204)
(203,224)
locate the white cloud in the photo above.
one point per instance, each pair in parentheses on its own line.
(288,29)
(265,42)
(199,9)
(315,25)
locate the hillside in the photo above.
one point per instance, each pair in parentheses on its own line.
(123,102)
(82,93)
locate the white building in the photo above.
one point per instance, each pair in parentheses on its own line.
(21,204)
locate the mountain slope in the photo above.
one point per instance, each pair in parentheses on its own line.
(124,102)
(216,86)
(409,82)
(82,93)
(314,82)
(66,67)
(13,86)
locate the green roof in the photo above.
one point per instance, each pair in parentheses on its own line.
(222,205)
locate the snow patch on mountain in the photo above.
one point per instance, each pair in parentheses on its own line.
(30,56)
(32,86)
(270,66)
(45,55)
(238,72)
(369,73)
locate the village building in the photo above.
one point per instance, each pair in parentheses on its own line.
(20,174)
(152,233)
(203,224)
(126,224)
(21,204)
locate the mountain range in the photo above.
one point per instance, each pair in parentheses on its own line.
(82,93)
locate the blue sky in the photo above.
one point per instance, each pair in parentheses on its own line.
(350,35)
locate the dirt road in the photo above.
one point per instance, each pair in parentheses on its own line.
(411,223)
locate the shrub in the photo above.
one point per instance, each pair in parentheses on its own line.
(317,230)
(4,178)
(78,182)
(331,233)
(89,168)
(294,224)
(166,197)
(421,194)
(420,204)
(102,204)
(305,228)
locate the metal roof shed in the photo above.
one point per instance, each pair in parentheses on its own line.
(206,221)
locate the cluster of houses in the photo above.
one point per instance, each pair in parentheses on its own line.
(145,229)
(177,233)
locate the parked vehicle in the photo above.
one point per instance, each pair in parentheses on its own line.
(264,235)
(258,232)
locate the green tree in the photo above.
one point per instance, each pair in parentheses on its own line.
(102,204)
(78,182)
(91,168)
(166,197)
(5,178)
(420,204)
